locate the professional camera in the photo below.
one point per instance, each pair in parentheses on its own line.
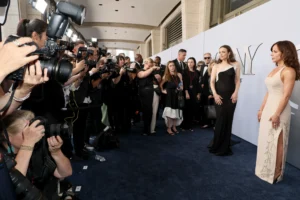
(131,70)
(69,46)
(59,70)
(23,187)
(52,129)
(83,54)
(102,52)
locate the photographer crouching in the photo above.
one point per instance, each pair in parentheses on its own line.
(38,155)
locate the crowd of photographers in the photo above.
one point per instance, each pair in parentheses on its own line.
(48,98)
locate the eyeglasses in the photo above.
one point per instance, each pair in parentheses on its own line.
(207,58)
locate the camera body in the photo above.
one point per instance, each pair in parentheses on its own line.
(69,46)
(130,70)
(51,129)
(59,70)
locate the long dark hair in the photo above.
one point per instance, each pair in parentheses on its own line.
(195,63)
(231,58)
(289,55)
(26,27)
(167,74)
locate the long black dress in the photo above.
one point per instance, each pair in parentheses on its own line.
(192,86)
(225,86)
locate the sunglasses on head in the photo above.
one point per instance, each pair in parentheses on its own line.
(206,58)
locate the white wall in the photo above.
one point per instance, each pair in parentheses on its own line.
(12,21)
(264,25)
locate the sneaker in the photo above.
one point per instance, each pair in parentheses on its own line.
(89,147)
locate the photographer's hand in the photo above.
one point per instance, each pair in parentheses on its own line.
(79,67)
(31,135)
(34,76)
(63,164)
(55,144)
(12,57)
(94,70)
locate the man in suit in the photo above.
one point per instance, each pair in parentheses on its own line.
(204,77)
(179,61)
(138,61)
(162,69)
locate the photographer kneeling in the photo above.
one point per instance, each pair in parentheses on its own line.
(38,156)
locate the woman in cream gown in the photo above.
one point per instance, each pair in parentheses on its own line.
(275,113)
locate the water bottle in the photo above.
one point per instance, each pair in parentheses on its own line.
(100,158)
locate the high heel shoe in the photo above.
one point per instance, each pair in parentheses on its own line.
(170,133)
(277,177)
(174,130)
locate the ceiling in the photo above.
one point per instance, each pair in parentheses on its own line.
(127,27)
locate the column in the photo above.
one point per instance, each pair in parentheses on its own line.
(155,35)
(195,17)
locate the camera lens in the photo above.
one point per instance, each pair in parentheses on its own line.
(58,70)
(24,188)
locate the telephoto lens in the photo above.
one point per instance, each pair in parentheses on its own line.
(59,70)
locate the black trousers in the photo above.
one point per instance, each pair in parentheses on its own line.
(146,96)
(189,112)
(204,102)
(93,123)
(119,115)
(79,127)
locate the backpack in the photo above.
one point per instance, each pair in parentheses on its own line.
(106,140)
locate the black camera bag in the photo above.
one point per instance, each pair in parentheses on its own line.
(106,140)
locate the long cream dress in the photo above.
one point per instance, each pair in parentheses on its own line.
(268,136)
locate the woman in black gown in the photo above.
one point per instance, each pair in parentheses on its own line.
(192,89)
(225,83)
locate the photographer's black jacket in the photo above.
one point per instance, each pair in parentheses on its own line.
(46,100)
(83,90)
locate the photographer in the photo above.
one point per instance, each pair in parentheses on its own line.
(41,100)
(42,167)
(80,95)
(33,74)
(120,110)
(147,80)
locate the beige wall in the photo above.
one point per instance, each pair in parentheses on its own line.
(12,21)
(18,10)
(195,19)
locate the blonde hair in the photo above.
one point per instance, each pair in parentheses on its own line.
(148,60)
(210,66)
(13,122)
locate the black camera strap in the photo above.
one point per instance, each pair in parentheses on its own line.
(14,87)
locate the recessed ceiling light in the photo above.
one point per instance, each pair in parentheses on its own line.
(116,10)
(117,0)
(100,4)
(132,7)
